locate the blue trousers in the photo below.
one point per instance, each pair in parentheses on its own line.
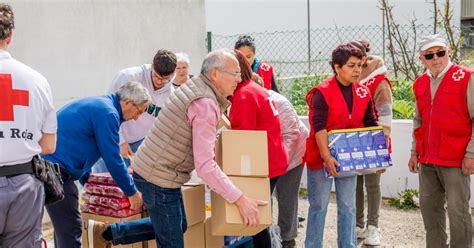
(319,189)
(166,224)
(65,216)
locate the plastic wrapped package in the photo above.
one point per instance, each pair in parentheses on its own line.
(100,210)
(105,201)
(105,190)
(359,151)
(101,178)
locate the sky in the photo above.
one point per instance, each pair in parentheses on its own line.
(243,16)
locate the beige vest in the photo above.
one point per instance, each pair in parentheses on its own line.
(165,158)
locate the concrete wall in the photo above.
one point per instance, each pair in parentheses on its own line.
(80,45)
(398,177)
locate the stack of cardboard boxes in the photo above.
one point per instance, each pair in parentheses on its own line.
(243,156)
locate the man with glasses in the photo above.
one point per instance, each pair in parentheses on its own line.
(88,129)
(182,139)
(443,147)
(156,78)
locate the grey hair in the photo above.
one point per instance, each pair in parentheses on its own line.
(134,91)
(215,59)
(182,57)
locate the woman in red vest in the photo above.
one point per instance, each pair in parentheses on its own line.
(373,76)
(337,103)
(253,110)
(246,45)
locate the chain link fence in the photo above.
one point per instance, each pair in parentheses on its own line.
(294,55)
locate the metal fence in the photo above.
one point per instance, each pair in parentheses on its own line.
(294,55)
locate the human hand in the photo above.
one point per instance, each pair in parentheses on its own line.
(380,171)
(468,166)
(413,163)
(248,209)
(136,201)
(331,163)
(126,151)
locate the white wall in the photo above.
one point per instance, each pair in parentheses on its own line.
(79,45)
(398,177)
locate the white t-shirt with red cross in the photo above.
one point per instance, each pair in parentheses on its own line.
(26,111)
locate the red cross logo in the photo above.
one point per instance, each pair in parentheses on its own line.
(10,97)
(361,92)
(265,67)
(458,75)
(371,81)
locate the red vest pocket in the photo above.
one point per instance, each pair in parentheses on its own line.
(453,142)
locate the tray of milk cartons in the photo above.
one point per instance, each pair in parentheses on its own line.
(359,151)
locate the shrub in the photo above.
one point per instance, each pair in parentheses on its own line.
(403,98)
(407,199)
(300,87)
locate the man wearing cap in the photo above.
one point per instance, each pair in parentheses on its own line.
(443,147)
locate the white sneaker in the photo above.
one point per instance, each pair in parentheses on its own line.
(373,236)
(361,232)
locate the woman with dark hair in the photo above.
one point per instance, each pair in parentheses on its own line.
(253,110)
(246,45)
(337,103)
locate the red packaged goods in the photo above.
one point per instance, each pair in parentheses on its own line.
(106,190)
(105,201)
(101,178)
(95,209)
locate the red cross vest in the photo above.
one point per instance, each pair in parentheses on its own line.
(265,71)
(445,123)
(338,115)
(373,83)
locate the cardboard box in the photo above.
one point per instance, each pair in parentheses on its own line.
(211,240)
(194,203)
(359,151)
(194,206)
(224,123)
(243,153)
(85,220)
(226,219)
(194,237)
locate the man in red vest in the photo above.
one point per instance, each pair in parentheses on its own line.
(443,147)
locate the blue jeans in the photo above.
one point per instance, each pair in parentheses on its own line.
(166,224)
(100,166)
(319,189)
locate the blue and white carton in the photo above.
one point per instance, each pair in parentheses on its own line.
(359,151)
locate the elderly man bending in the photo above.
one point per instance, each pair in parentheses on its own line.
(181,140)
(89,129)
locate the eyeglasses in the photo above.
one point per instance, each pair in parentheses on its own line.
(165,79)
(140,112)
(439,54)
(237,75)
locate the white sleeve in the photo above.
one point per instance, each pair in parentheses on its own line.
(120,79)
(50,124)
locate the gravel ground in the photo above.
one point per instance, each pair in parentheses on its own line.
(399,228)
